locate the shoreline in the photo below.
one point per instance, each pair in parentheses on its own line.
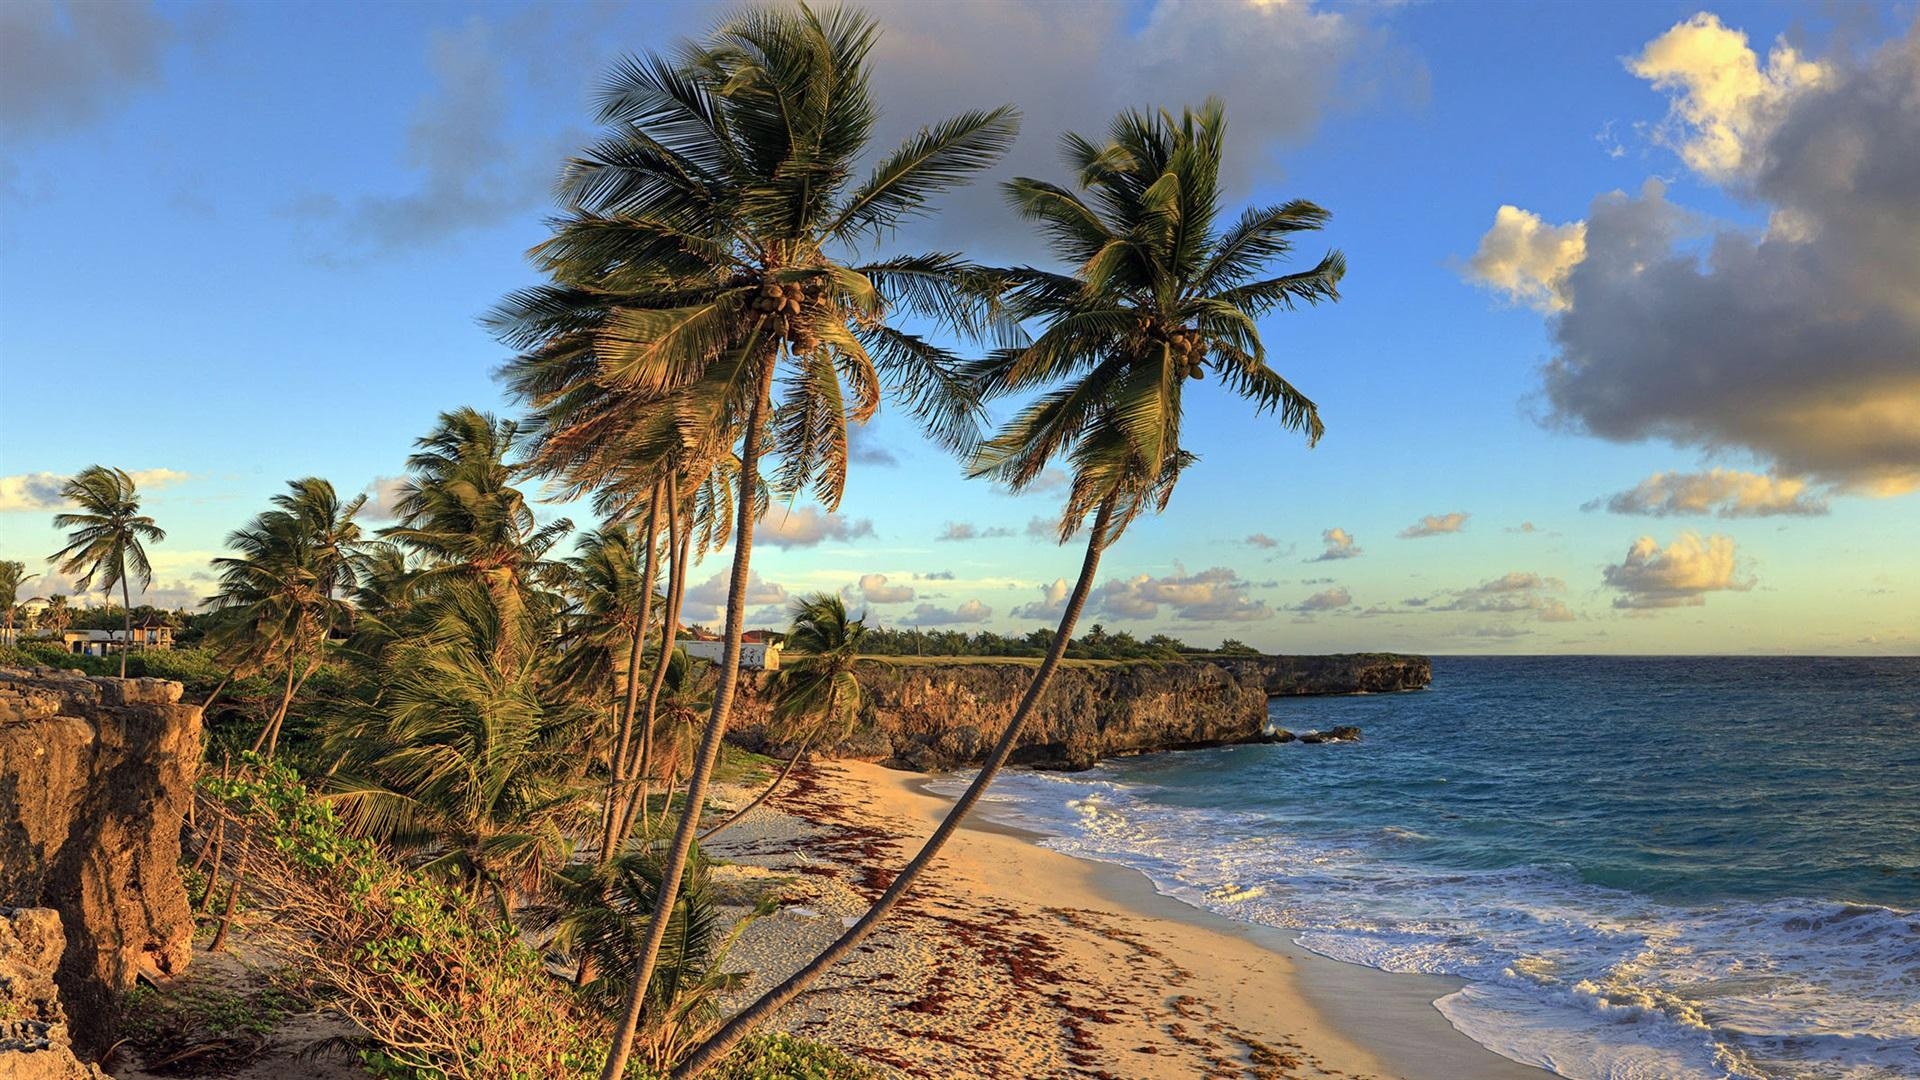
(1015,960)
(1391,1015)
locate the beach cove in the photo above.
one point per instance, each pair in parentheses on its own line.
(1019,961)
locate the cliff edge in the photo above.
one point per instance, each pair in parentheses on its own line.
(96,775)
(938,713)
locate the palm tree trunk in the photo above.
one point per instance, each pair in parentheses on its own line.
(270,735)
(126,643)
(715,1048)
(617,760)
(683,837)
(680,547)
(767,792)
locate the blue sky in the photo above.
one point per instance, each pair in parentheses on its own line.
(251,242)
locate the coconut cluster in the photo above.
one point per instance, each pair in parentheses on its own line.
(789,303)
(1184,342)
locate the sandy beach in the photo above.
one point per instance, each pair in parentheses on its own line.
(1018,961)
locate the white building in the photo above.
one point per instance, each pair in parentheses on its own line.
(754,655)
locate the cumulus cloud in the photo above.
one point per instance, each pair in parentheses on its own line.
(181,580)
(1326,600)
(1339,545)
(809,526)
(707,601)
(1795,343)
(69,62)
(1514,593)
(1435,525)
(1051,605)
(1528,259)
(383,498)
(967,530)
(1214,595)
(1070,67)
(874,589)
(1727,493)
(1723,98)
(1678,576)
(972,611)
(865,448)
(40,491)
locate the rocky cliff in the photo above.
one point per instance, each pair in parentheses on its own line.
(95,777)
(34,1043)
(936,714)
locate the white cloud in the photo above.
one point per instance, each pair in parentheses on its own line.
(383,498)
(707,601)
(1339,545)
(808,526)
(1723,99)
(1435,525)
(1326,600)
(1214,595)
(1729,493)
(873,589)
(1795,342)
(972,611)
(41,491)
(1051,605)
(1679,576)
(1528,259)
(967,530)
(1514,593)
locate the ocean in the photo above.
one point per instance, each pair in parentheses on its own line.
(1642,867)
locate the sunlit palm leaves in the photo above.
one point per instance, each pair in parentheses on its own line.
(108,543)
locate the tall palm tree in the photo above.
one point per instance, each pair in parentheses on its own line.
(109,538)
(816,692)
(1158,297)
(13,574)
(704,256)
(287,585)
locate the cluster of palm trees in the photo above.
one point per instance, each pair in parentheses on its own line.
(705,336)
(706,322)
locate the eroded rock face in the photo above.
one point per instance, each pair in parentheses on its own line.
(935,716)
(96,775)
(34,1041)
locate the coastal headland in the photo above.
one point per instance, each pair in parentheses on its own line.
(939,713)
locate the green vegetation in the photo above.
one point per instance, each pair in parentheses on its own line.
(459,775)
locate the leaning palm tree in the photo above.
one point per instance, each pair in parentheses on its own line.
(109,538)
(704,258)
(13,574)
(466,763)
(817,693)
(1159,297)
(286,586)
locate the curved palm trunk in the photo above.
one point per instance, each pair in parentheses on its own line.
(617,760)
(681,542)
(270,735)
(683,837)
(766,792)
(715,1048)
(126,602)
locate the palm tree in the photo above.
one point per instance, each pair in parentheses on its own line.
(818,690)
(58,615)
(12,575)
(109,538)
(1159,297)
(465,761)
(287,585)
(703,250)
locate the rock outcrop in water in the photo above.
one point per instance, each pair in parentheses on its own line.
(942,714)
(34,1040)
(96,775)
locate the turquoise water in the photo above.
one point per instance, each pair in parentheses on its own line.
(1646,868)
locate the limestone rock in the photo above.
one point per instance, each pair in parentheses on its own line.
(935,716)
(34,1041)
(96,775)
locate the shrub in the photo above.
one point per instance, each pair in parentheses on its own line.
(441,986)
(778,1056)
